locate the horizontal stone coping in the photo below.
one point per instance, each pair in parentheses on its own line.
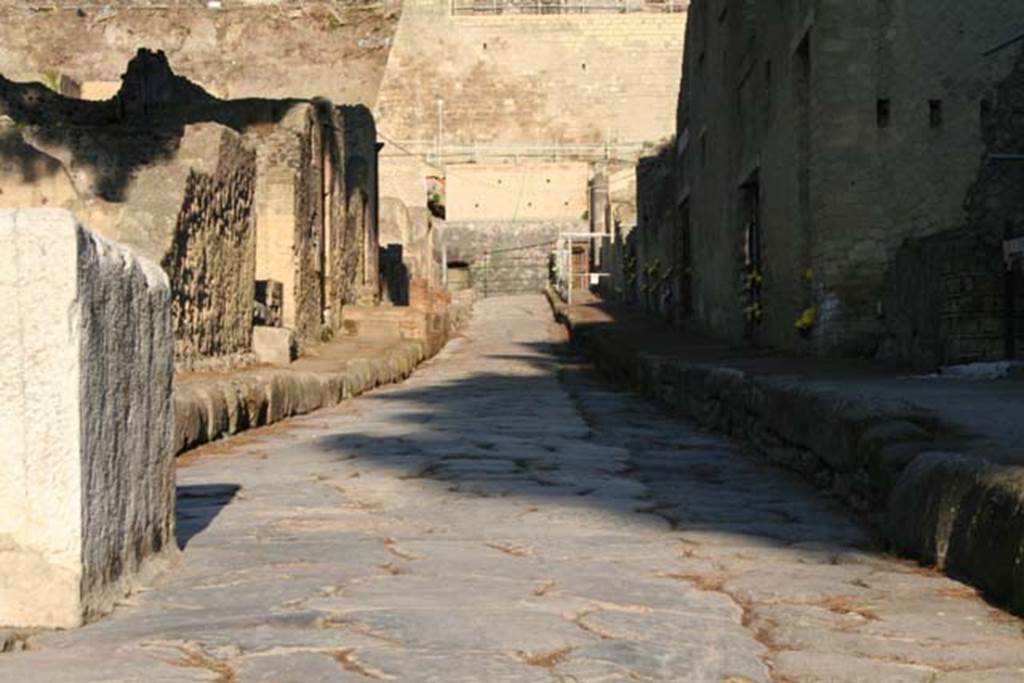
(210,409)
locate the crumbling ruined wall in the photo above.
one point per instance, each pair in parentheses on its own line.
(234,51)
(395,239)
(305,239)
(212,261)
(310,226)
(362,205)
(618,257)
(950,297)
(143,168)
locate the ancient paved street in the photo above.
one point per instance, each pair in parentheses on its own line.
(503,516)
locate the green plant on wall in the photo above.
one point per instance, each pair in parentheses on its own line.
(652,275)
(629,268)
(435,203)
(750,299)
(753,312)
(805,322)
(51,79)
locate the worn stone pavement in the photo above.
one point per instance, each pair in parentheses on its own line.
(504,516)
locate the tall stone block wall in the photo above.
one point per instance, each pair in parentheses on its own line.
(86,361)
(579,78)
(506,257)
(847,129)
(950,298)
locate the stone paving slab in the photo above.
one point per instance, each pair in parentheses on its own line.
(503,515)
(934,464)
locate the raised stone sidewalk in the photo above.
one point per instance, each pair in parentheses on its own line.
(209,406)
(934,464)
(212,406)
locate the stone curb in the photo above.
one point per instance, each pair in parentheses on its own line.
(209,410)
(956,512)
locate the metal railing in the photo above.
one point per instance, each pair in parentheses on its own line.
(500,7)
(554,151)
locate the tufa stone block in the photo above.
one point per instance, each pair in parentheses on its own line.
(274,345)
(86,420)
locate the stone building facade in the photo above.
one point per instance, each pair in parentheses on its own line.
(515,105)
(222,193)
(814,139)
(519,77)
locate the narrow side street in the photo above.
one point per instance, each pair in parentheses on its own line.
(503,515)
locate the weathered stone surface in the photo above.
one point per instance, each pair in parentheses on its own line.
(956,511)
(273,345)
(86,359)
(504,515)
(208,409)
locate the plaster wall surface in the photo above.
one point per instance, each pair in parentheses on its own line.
(516,192)
(86,361)
(404,176)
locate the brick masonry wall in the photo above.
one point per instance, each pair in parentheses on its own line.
(947,294)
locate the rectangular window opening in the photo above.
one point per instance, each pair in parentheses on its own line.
(883,113)
(935,113)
